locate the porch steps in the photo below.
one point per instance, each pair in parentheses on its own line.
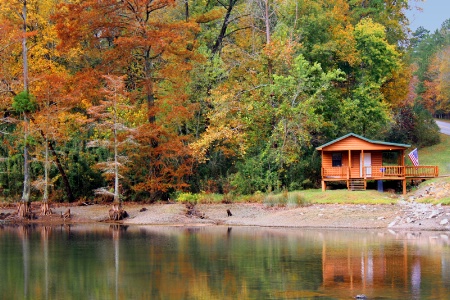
(357,184)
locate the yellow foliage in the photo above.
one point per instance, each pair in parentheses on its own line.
(395,91)
(211,15)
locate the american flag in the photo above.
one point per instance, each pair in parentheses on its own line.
(414,156)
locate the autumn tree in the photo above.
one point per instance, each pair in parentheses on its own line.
(112,131)
(366,110)
(23,102)
(54,110)
(141,40)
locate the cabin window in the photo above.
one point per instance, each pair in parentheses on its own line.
(336,159)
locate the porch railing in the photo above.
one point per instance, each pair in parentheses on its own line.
(335,172)
(391,171)
(380,172)
(422,171)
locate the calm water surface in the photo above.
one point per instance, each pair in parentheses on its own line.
(152,262)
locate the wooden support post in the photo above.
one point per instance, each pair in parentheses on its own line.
(361,164)
(324,186)
(350,158)
(404,186)
(349,165)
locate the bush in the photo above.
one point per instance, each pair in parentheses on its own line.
(270,200)
(297,199)
(256,197)
(24,102)
(187,198)
(279,200)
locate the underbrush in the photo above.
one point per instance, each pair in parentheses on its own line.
(291,199)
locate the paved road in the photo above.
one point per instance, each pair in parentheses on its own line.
(444,126)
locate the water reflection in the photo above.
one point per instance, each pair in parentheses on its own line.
(151,262)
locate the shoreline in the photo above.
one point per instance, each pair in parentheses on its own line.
(401,216)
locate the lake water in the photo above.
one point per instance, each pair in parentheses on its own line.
(153,262)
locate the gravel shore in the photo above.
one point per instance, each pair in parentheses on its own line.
(405,215)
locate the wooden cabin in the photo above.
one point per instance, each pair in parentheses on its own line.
(355,160)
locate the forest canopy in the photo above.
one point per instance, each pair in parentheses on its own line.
(205,96)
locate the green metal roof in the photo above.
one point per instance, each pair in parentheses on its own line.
(362,138)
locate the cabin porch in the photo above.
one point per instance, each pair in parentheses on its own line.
(401,173)
(379,173)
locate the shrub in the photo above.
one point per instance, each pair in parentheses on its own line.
(280,200)
(24,102)
(187,198)
(270,200)
(297,199)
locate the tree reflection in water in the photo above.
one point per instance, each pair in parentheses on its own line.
(116,262)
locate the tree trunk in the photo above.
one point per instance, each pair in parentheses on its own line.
(223,30)
(117,213)
(60,169)
(186,9)
(116,162)
(26,172)
(268,38)
(46,167)
(149,87)
(45,210)
(24,47)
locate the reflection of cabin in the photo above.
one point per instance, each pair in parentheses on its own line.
(355,160)
(372,269)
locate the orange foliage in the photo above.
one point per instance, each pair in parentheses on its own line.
(141,40)
(437,84)
(162,159)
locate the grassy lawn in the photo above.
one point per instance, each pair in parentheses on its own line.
(297,198)
(348,197)
(437,155)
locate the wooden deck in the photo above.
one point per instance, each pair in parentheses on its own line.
(380,173)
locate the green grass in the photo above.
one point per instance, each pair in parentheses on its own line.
(294,198)
(437,155)
(348,197)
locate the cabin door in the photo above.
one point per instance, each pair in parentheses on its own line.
(366,164)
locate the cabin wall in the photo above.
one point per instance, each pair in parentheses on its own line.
(377,158)
(355,171)
(327,159)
